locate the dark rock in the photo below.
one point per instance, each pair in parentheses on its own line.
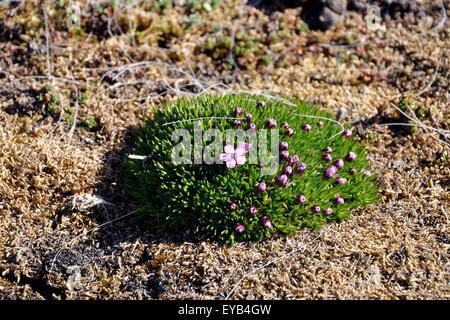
(323,14)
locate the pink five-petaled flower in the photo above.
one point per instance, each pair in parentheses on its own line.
(294,160)
(301,168)
(284,145)
(261,104)
(261,187)
(352,171)
(347,133)
(307,128)
(235,157)
(239,111)
(271,123)
(253,211)
(328,211)
(288,170)
(327,150)
(266,222)
(233,206)
(240,228)
(326,157)
(315,209)
(285,155)
(301,198)
(339,163)
(341,180)
(330,172)
(290,132)
(252,126)
(285,125)
(248,117)
(338,199)
(282,180)
(366,173)
(320,124)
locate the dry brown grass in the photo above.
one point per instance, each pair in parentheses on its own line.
(397,249)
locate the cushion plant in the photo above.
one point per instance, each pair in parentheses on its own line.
(311,171)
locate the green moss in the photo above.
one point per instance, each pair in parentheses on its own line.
(178,197)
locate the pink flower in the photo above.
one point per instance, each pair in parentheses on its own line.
(284,145)
(261,104)
(294,160)
(271,123)
(301,198)
(237,123)
(240,228)
(285,155)
(320,124)
(366,173)
(315,209)
(285,125)
(351,156)
(253,211)
(338,199)
(347,133)
(352,171)
(290,132)
(235,157)
(239,111)
(261,187)
(233,206)
(252,126)
(248,117)
(307,128)
(288,170)
(266,222)
(341,180)
(282,180)
(339,163)
(328,211)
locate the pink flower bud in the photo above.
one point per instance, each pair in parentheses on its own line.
(347,133)
(352,171)
(233,206)
(282,180)
(248,117)
(290,132)
(284,145)
(341,180)
(301,168)
(327,211)
(326,157)
(271,123)
(252,126)
(351,156)
(261,104)
(294,160)
(285,155)
(285,125)
(315,209)
(288,170)
(240,228)
(239,111)
(237,123)
(261,187)
(330,172)
(320,124)
(307,128)
(253,211)
(327,150)
(301,198)
(266,223)
(339,163)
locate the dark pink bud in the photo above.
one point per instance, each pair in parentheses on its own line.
(253,211)
(366,173)
(282,180)
(339,163)
(252,126)
(301,198)
(327,150)
(285,125)
(261,187)
(327,211)
(261,165)
(347,133)
(288,170)
(339,200)
(239,111)
(307,128)
(294,160)
(341,180)
(240,228)
(326,157)
(266,223)
(320,124)
(285,155)
(290,132)
(315,209)
(233,206)
(351,156)
(248,117)
(261,104)
(301,168)
(284,145)
(271,123)
(352,171)
(237,123)
(330,172)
